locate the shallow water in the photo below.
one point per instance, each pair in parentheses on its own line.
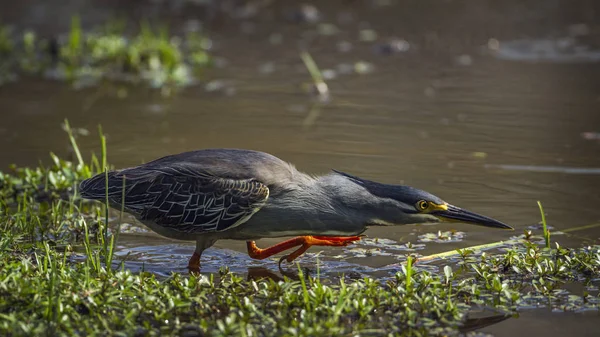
(452,115)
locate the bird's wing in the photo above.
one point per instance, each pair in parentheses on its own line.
(185,200)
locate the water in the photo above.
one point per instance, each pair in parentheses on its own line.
(489,133)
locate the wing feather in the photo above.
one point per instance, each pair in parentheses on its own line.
(179,198)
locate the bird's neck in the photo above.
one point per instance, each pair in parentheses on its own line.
(353,201)
(357,203)
(327,205)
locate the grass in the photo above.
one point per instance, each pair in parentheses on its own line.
(319,84)
(544,225)
(58,277)
(105,53)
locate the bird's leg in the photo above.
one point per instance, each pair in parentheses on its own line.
(339,238)
(201,245)
(259,253)
(194,263)
(320,241)
(304,242)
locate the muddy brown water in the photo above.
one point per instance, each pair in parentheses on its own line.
(491,134)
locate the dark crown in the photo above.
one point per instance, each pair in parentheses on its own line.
(406,194)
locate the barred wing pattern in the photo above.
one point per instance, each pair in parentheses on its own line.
(181,199)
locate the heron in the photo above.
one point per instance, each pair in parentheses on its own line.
(214,194)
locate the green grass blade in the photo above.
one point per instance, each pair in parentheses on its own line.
(74,144)
(105,232)
(452,253)
(115,237)
(103,143)
(546,230)
(580,228)
(315,73)
(409,273)
(312,67)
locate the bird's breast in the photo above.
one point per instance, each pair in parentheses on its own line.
(271,222)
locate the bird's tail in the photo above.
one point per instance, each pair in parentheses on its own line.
(95,188)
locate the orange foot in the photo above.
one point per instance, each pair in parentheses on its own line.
(304,242)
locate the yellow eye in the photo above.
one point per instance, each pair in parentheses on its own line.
(422,205)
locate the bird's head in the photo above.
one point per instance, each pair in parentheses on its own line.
(408,205)
(421,207)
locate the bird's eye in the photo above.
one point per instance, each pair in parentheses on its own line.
(422,205)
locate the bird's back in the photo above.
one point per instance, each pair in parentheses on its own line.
(228,163)
(207,164)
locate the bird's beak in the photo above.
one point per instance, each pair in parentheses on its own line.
(457,214)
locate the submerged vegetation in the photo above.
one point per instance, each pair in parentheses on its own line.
(104,53)
(57,277)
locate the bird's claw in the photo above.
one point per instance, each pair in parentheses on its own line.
(305,271)
(284,257)
(194,269)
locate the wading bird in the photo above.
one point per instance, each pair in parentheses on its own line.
(214,194)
